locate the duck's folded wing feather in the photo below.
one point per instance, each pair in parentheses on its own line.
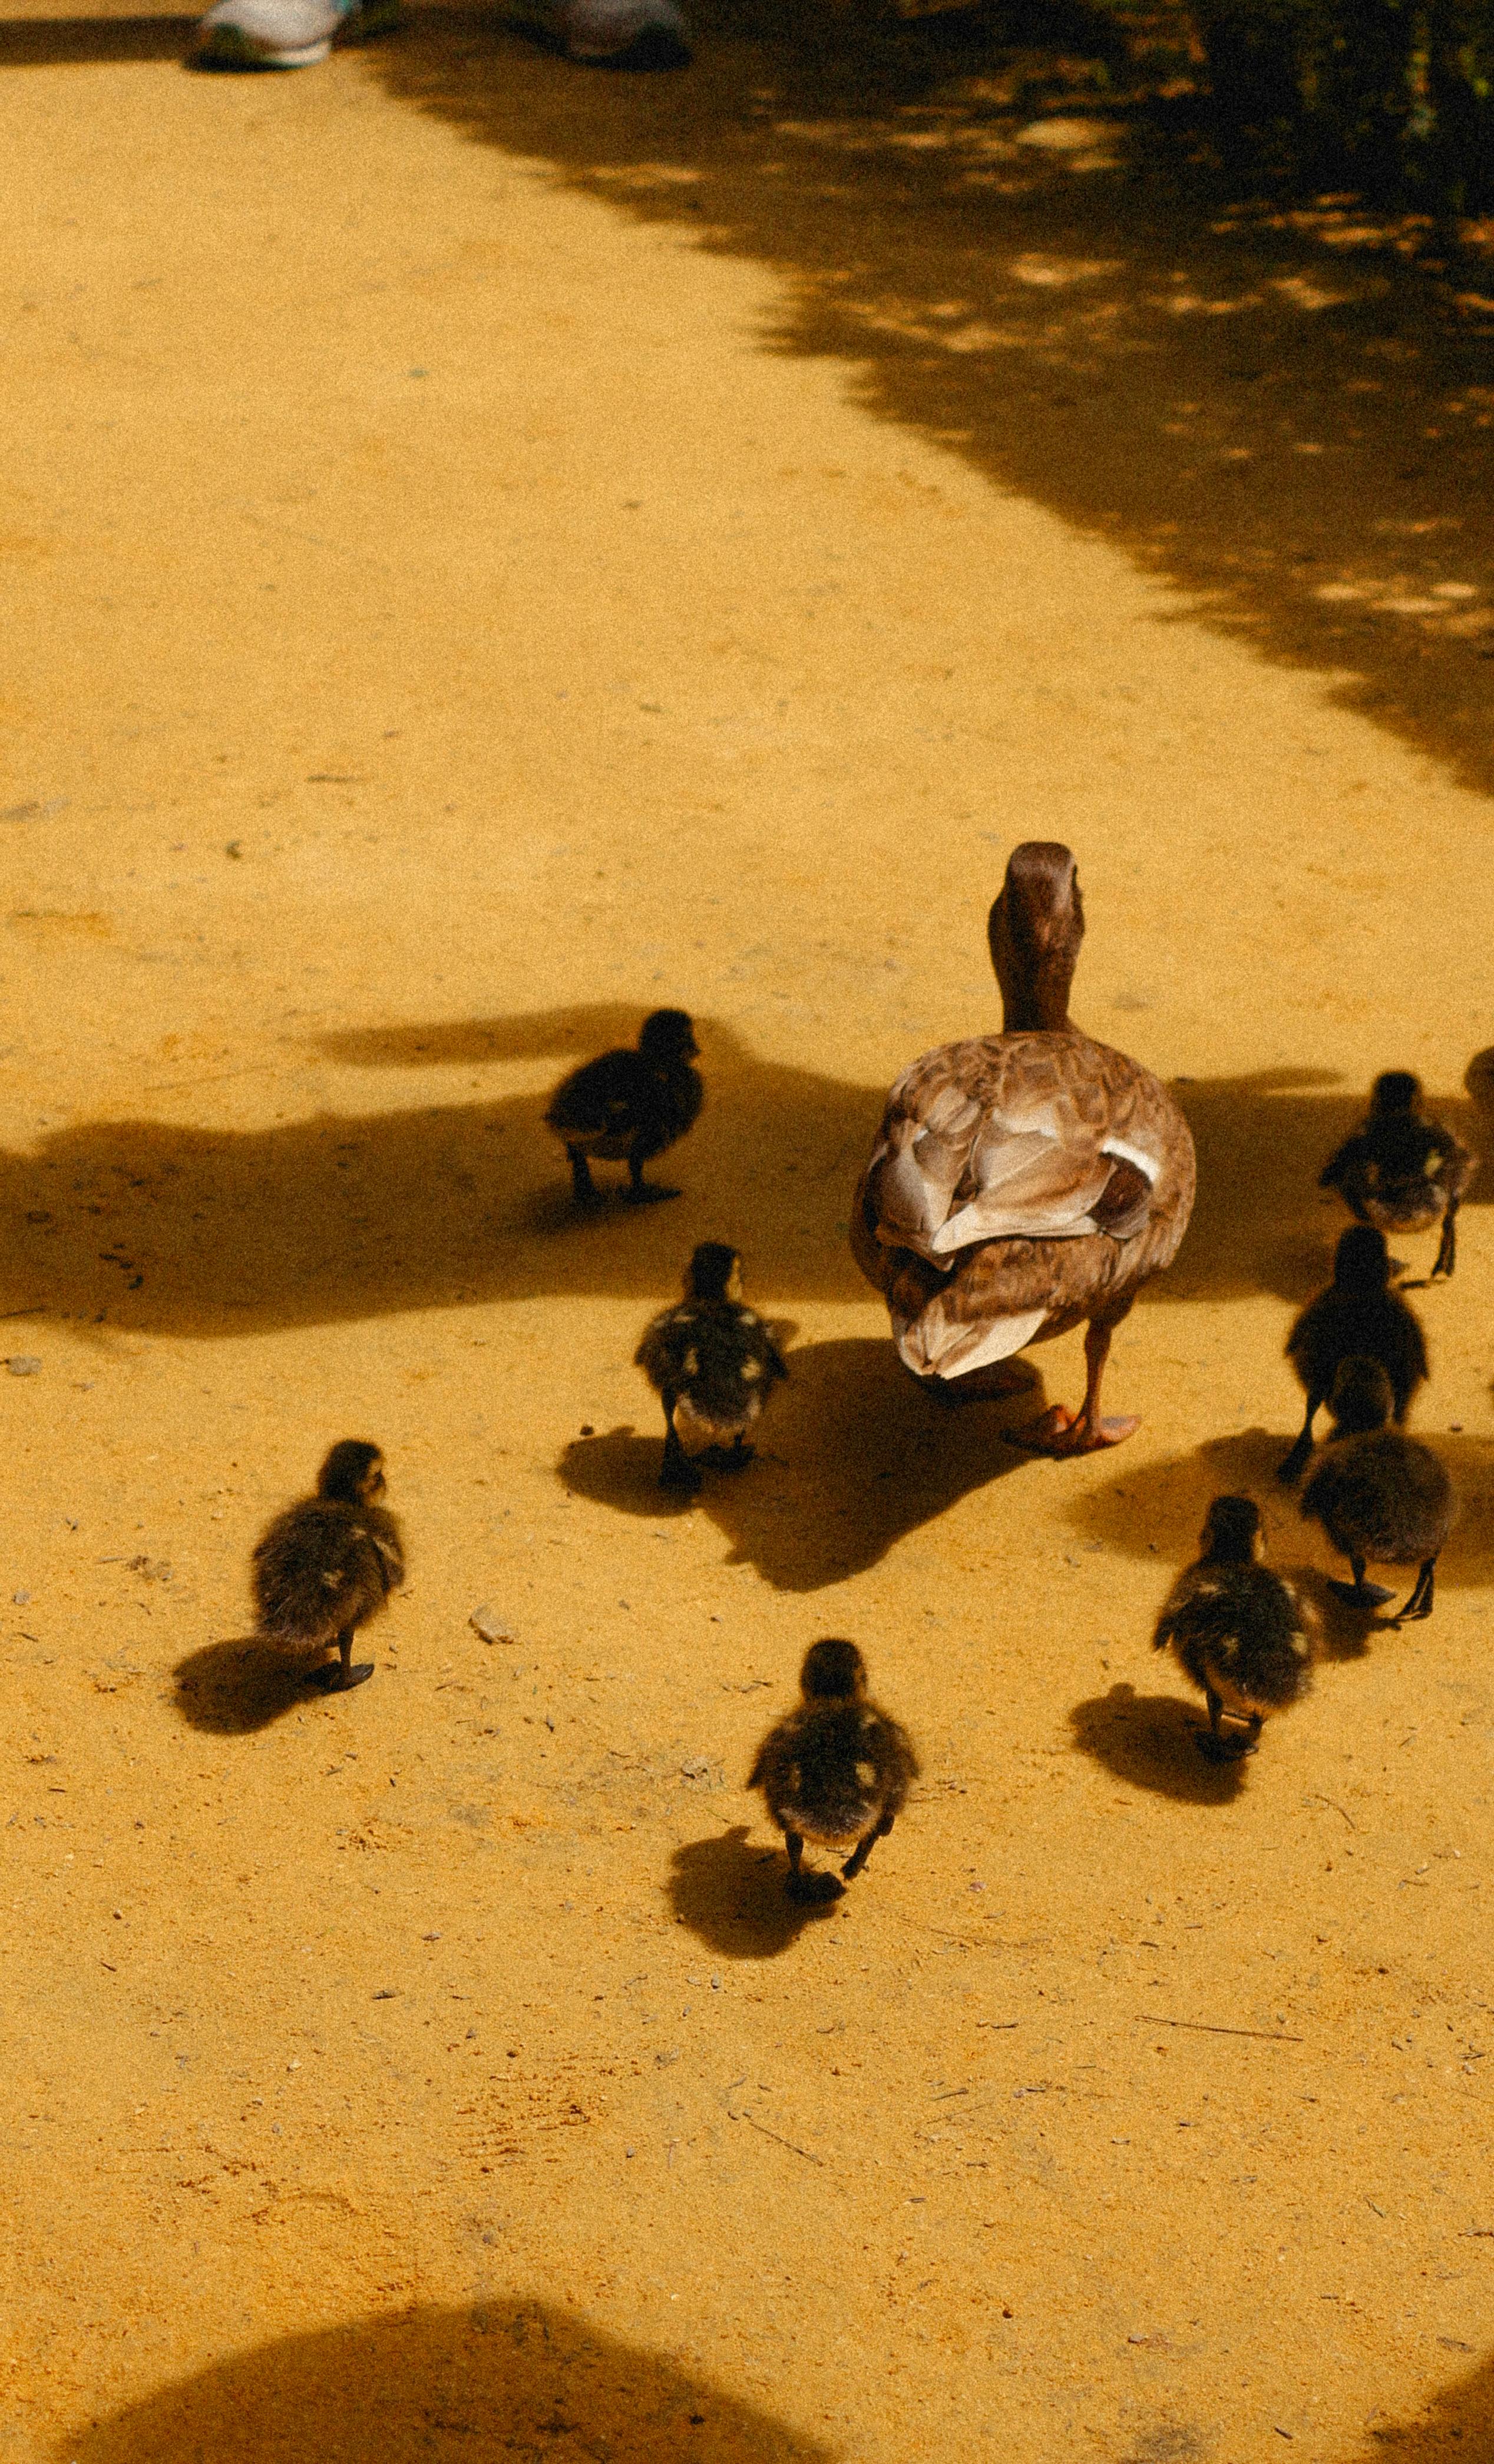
(964,1157)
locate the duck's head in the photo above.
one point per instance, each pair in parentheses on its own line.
(1397,1091)
(667,1038)
(1232,1530)
(353,1473)
(1362,1398)
(834,1671)
(1035,929)
(1362,1263)
(715,1273)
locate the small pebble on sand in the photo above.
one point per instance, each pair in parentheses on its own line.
(491,1624)
(23,1364)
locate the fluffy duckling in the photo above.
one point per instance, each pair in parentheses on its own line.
(627,1106)
(1359,1317)
(327,1565)
(1400,1171)
(713,1363)
(1239,1630)
(1377,1494)
(836,1770)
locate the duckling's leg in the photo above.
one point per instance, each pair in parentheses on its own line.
(678,1471)
(1359,1594)
(1212,1747)
(806,1888)
(1447,1250)
(1059,1432)
(583,1189)
(340,1677)
(1420,1604)
(858,1858)
(644,1193)
(732,1457)
(1291,1465)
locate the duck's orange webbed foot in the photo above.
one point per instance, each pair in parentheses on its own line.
(1061,1431)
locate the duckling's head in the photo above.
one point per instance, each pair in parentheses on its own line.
(833,1672)
(1362,1263)
(1035,929)
(353,1473)
(667,1038)
(715,1273)
(1232,1530)
(1397,1091)
(1362,1398)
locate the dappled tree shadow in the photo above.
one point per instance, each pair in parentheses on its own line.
(175,1229)
(1274,413)
(853,1454)
(730,1892)
(430,2386)
(65,42)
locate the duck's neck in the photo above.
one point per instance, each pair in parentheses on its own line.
(1038,1005)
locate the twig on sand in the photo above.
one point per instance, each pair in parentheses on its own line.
(1313,1798)
(1208,2027)
(793,2149)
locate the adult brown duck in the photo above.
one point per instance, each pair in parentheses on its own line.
(1027,1183)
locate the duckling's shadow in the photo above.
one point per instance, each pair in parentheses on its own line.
(1157,1509)
(231,1688)
(1151,1741)
(731,1897)
(853,1455)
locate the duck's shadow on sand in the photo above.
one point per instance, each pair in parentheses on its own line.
(1151,1741)
(502,2375)
(1156,1511)
(229,1689)
(731,1894)
(853,1454)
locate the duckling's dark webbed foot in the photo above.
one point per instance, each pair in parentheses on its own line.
(1419,1603)
(1231,1749)
(813,1890)
(1361,1596)
(646,1192)
(335,1678)
(735,1458)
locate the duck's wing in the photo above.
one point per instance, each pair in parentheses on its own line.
(1018,1136)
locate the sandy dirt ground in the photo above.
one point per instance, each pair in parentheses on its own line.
(488,549)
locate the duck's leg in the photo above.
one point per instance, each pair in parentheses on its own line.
(340,1676)
(732,1457)
(677,1470)
(1212,1747)
(1447,1250)
(806,1888)
(1359,1594)
(1060,1432)
(583,1189)
(1420,1604)
(1291,1465)
(641,1191)
(858,1857)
